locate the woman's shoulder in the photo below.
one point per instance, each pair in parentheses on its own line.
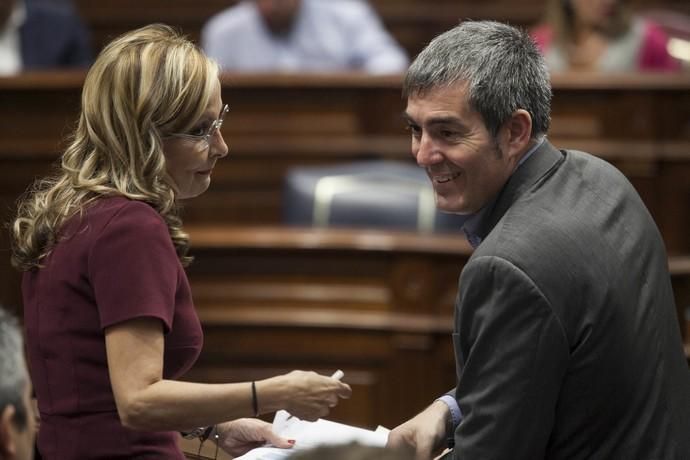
(124,210)
(118,203)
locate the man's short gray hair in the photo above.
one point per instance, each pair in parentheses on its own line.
(501,65)
(13,375)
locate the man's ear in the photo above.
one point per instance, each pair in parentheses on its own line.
(516,134)
(8,448)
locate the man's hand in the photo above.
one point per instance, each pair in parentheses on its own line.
(424,434)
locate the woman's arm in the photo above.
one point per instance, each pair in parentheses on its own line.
(146,401)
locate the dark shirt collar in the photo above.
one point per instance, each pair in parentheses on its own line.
(473,222)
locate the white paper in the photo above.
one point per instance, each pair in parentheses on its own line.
(311,434)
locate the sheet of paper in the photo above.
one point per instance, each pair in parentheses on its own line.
(311,434)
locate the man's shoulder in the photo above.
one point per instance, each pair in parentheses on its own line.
(343,10)
(595,169)
(560,212)
(235,18)
(545,210)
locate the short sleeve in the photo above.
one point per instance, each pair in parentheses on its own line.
(133,267)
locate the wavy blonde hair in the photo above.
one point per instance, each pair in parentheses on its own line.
(144,85)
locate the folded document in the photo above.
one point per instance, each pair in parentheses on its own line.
(311,434)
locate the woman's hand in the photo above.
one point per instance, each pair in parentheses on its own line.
(239,436)
(311,396)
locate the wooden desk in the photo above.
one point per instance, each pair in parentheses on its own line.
(377,305)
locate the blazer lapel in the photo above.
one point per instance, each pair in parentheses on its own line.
(537,167)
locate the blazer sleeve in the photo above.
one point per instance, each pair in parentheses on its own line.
(512,355)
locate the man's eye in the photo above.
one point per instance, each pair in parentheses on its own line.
(448,134)
(413,129)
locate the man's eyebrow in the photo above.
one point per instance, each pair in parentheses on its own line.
(406,117)
(448,120)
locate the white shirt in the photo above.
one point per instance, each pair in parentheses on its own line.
(10,46)
(328,35)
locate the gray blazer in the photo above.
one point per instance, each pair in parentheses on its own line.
(566,338)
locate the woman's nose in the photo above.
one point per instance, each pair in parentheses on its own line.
(218,145)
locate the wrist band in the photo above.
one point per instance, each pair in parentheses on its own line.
(195,433)
(207,433)
(255,401)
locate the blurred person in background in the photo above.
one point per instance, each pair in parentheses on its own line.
(17,424)
(37,35)
(601,35)
(302,36)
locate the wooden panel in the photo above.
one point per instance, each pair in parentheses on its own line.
(265,297)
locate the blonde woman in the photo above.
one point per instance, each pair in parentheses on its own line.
(109,315)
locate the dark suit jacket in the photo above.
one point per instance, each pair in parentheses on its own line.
(567,341)
(53,37)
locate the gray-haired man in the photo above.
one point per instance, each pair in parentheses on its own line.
(566,340)
(17,424)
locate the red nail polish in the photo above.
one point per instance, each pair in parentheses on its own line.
(291,441)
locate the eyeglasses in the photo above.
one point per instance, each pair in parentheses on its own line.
(202,141)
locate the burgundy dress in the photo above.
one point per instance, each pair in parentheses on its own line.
(115,263)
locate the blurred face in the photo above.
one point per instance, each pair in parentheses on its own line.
(6,7)
(450,141)
(279,15)
(189,163)
(18,443)
(25,438)
(595,13)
